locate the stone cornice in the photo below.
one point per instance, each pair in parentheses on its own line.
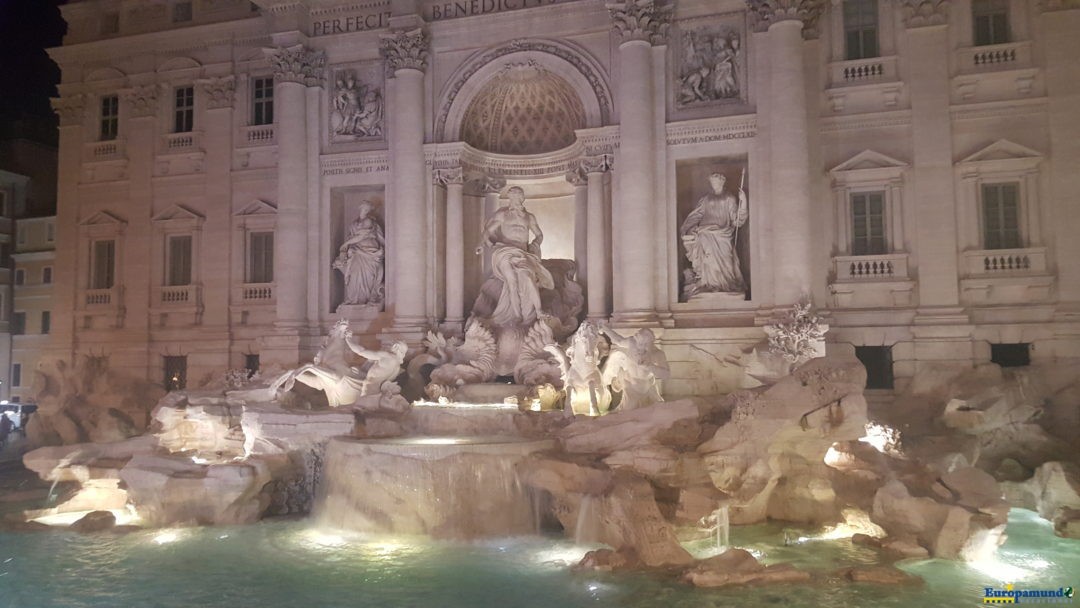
(896,118)
(711,129)
(998,109)
(925,13)
(646,20)
(1047,6)
(405,49)
(70,109)
(355,163)
(297,63)
(764,13)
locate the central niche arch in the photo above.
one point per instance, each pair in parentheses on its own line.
(557,68)
(524,109)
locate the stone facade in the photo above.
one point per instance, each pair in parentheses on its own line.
(911,175)
(35,264)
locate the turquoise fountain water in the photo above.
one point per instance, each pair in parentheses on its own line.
(290,564)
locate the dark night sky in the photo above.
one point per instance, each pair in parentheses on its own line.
(27,76)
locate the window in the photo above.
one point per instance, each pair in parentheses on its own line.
(110,23)
(878,363)
(16,374)
(175,373)
(21,234)
(103,264)
(3,203)
(868,223)
(1001,215)
(5,256)
(1011,355)
(50,232)
(20,276)
(110,117)
(184,110)
(46,275)
(178,262)
(46,321)
(251,364)
(262,101)
(991,21)
(18,323)
(861,29)
(181,12)
(260,257)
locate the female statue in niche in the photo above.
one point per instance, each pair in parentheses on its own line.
(360,259)
(708,234)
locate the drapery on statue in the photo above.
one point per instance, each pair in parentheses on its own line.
(330,371)
(515,260)
(586,392)
(360,259)
(709,234)
(634,367)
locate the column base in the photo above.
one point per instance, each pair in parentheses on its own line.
(635,319)
(410,330)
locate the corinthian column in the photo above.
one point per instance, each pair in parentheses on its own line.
(594,168)
(453,180)
(789,146)
(295,68)
(405,52)
(639,25)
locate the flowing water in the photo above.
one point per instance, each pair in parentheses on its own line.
(290,564)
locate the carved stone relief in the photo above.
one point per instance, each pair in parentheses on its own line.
(646,20)
(297,63)
(219,92)
(356,105)
(711,64)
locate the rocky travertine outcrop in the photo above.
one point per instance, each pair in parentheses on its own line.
(629,479)
(739,567)
(1054,492)
(88,402)
(770,457)
(211,460)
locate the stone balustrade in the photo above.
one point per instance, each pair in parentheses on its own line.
(1008,56)
(889,266)
(97,151)
(1005,261)
(259,135)
(180,143)
(863,71)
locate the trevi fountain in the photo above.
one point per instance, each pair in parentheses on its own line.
(532,460)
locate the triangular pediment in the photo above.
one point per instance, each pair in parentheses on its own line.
(257,207)
(176,212)
(102,218)
(868,159)
(1002,149)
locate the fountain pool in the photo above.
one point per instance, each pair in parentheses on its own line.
(289,564)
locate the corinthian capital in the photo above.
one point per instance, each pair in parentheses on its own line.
(646,20)
(601,163)
(764,13)
(405,50)
(70,109)
(450,175)
(297,64)
(142,101)
(921,13)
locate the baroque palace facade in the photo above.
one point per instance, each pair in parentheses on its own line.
(235,176)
